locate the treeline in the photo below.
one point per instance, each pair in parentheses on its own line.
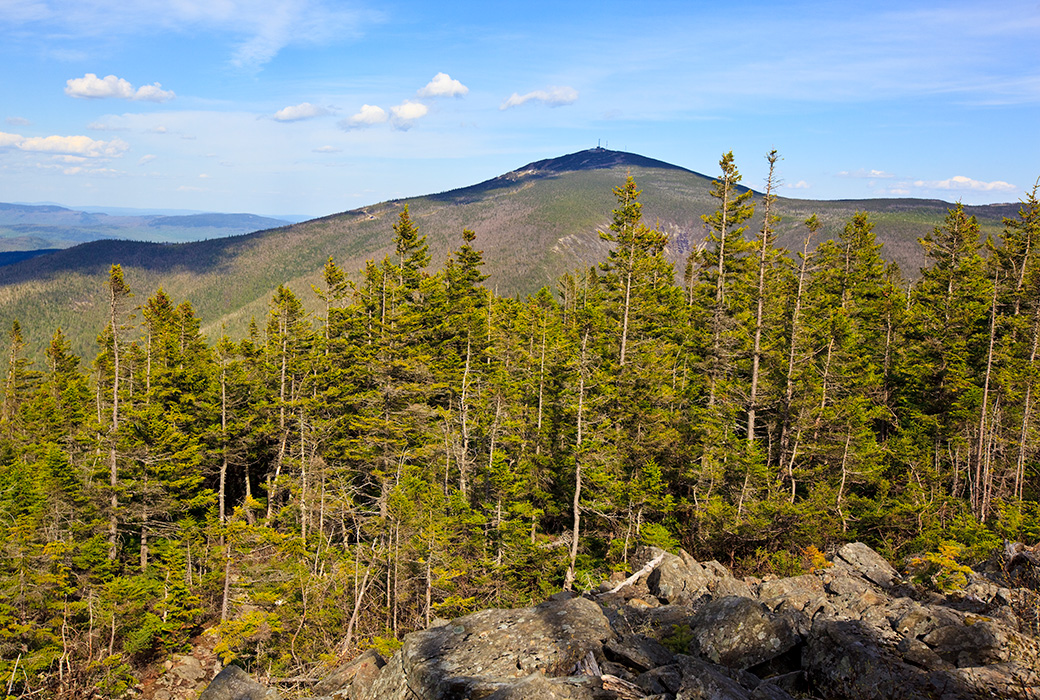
(423,448)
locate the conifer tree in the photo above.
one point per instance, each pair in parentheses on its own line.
(118,294)
(723,261)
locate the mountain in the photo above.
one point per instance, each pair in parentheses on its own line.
(533,224)
(28,227)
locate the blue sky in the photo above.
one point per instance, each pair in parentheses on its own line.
(317,106)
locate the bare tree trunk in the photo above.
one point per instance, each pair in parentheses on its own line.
(761,294)
(844,477)
(977,497)
(464,417)
(628,297)
(113,470)
(227,587)
(785,431)
(1027,409)
(568,583)
(303,481)
(283,433)
(223,446)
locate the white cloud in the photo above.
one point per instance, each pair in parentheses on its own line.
(90,171)
(869,174)
(153,93)
(553,97)
(304,110)
(147,159)
(405,114)
(960,182)
(800,185)
(409,111)
(18,121)
(369,115)
(327,149)
(68,145)
(443,85)
(92,87)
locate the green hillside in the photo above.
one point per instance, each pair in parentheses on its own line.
(533,224)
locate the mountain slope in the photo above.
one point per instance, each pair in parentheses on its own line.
(533,224)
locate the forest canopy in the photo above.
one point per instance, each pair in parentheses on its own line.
(423,448)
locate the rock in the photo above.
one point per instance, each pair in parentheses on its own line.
(235,684)
(361,671)
(843,661)
(979,644)
(769,691)
(729,586)
(674,581)
(851,631)
(537,687)
(701,680)
(740,633)
(796,592)
(1008,681)
(662,680)
(916,652)
(491,650)
(869,563)
(638,653)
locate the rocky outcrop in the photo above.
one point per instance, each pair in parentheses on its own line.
(235,684)
(688,629)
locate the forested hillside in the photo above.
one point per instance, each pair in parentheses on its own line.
(422,447)
(535,224)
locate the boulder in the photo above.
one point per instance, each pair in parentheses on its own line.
(491,650)
(677,580)
(740,633)
(360,672)
(869,563)
(638,653)
(233,683)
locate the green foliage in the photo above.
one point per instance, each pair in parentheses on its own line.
(242,638)
(941,568)
(412,445)
(387,646)
(678,642)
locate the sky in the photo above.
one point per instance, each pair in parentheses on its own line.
(311,107)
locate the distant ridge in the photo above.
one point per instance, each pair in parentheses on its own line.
(26,227)
(14,256)
(533,224)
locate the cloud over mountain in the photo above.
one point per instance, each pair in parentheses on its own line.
(553,97)
(960,182)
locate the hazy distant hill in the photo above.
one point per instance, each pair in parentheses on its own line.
(533,224)
(25,227)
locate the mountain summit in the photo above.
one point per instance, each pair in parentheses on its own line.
(533,224)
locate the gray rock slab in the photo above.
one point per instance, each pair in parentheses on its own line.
(233,683)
